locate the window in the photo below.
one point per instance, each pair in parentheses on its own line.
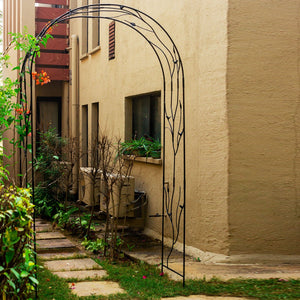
(95,134)
(84,31)
(143,117)
(96,27)
(84,135)
(49,114)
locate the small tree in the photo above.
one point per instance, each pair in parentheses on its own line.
(114,171)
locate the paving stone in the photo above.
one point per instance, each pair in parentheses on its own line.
(72,264)
(41,221)
(55,245)
(82,274)
(43,228)
(66,255)
(96,288)
(196,270)
(49,235)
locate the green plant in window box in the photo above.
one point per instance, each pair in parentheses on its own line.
(144,147)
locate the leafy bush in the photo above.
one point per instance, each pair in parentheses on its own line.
(142,147)
(62,218)
(50,172)
(69,218)
(17,265)
(98,245)
(94,246)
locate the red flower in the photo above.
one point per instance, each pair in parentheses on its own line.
(144,277)
(41,78)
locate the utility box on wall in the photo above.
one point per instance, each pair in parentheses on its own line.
(88,182)
(122,196)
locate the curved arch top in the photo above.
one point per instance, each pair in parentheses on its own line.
(173,95)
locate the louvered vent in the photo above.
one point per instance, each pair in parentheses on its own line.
(111,40)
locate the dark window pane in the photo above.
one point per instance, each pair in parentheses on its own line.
(49,114)
(146,115)
(85,132)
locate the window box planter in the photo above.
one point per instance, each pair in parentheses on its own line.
(141,148)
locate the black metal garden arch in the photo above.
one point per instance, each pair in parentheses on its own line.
(173,214)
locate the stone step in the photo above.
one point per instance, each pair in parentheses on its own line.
(82,274)
(41,221)
(49,235)
(95,288)
(62,255)
(43,227)
(72,265)
(55,245)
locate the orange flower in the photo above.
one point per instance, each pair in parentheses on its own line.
(19,110)
(41,78)
(49,30)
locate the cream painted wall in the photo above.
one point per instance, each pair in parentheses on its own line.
(16,17)
(201,36)
(264,122)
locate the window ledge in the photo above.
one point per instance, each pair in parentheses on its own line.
(147,160)
(96,49)
(84,56)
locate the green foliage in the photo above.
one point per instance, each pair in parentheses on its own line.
(52,287)
(68,218)
(16,255)
(10,88)
(141,147)
(94,246)
(62,218)
(17,265)
(8,91)
(50,171)
(142,281)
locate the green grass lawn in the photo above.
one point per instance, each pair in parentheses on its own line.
(142,281)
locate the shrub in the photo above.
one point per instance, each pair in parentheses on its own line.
(142,147)
(50,172)
(17,265)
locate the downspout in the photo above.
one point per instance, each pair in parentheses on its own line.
(75,108)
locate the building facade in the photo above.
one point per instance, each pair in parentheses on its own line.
(241,61)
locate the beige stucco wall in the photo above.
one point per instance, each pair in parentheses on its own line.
(264,123)
(201,37)
(17,15)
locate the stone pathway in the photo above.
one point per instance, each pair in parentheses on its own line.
(64,259)
(283,267)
